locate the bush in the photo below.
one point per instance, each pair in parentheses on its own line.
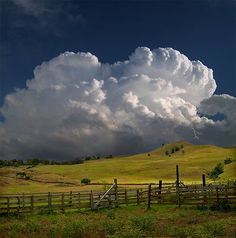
(228,161)
(22,175)
(221,206)
(214,174)
(177,148)
(214,229)
(85,181)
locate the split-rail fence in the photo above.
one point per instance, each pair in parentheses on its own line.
(161,193)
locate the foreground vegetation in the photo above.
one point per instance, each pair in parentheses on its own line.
(125,222)
(193,161)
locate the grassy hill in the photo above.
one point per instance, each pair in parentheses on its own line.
(193,161)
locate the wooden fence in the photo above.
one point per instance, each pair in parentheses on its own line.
(161,193)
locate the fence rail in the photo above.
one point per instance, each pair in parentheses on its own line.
(161,193)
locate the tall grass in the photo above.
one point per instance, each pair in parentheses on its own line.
(125,222)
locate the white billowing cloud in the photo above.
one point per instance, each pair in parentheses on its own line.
(221,131)
(76,105)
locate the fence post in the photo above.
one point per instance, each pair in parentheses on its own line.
(177,185)
(116,192)
(49,201)
(70,201)
(126,199)
(32,203)
(204,187)
(177,176)
(109,200)
(8,205)
(159,191)
(79,205)
(62,202)
(217,196)
(226,192)
(91,200)
(137,196)
(18,205)
(23,200)
(149,195)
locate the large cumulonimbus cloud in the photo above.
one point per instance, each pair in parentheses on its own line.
(76,106)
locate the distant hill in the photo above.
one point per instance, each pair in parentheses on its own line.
(193,161)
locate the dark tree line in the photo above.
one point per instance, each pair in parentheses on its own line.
(38,161)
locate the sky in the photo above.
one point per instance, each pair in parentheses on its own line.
(156,71)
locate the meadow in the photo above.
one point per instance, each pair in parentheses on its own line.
(149,167)
(124,222)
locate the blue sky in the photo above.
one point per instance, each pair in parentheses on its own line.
(35,32)
(162,89)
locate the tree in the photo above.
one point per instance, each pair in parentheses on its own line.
(214,173)
(228,161)
(177,148)
(85,181)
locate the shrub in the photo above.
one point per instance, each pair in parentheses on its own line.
(27,177)
(221,206)
(85,181)
(177,148)
(214,229)
(214,174)
(228,161)
(21,174)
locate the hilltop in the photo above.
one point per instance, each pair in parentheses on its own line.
(193,161)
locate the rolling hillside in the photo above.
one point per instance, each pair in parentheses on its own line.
(193,161)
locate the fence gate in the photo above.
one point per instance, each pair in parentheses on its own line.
(108,199)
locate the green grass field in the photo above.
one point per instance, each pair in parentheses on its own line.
(124,222)
(140,168)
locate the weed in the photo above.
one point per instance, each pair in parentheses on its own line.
(144,223)
(29,227)
(180,232)
(111,214)
(75,229)
(110,226)
(129,231)
(214,229)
